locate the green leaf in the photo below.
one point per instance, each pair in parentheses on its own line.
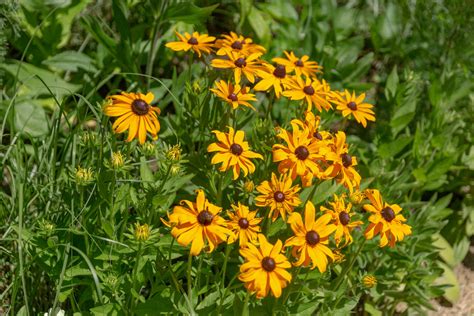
(389,150)
(369,308)
(452,293)
(446,251)
(94,27)
(106,310)
(188,12)
(71,61)
(32,86)
(145,172)
(392,83)
(259,24)
(31,119)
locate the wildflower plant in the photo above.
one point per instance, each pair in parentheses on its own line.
(229,174)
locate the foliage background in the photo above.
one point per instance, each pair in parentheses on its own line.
(62,58)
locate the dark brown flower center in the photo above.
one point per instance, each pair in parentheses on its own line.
(309,90)
(140,107)
(346,160)
(240,62)
(318,135)
(244,223)
(312,237)
(301,153)
(344,218)
(268,264)
(205,218)
(232,97)
(388,214)
(193,41)
(352,105)
(279,196)
(236,45)
(236,149)
(279,71)
(299,63)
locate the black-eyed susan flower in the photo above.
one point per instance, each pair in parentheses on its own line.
(272,76)
(135,114)
(311,238)
(311,91)
(198,223)
(233,95)
(342,164)
(233,152)
(264,269)
(312,122)
(351,104)
(239,44)
(244,224)
(196,42)
(300,154)
(301,66)
(279,195)
(240,65)
(369,281)
(341,216)
(385,220)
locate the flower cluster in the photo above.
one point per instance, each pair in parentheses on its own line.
(304,155)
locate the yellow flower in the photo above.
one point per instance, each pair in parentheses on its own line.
(338,256)
(249,186)
(233,152)
(369,281)
(342,164)
(116,160)
(311,238)
(198,222)
(300,154)
(279,195)
(175,169)
(174,153)
(311,91)
(142,232)
(239,44)
(272,76)
(135,114)
(244,224)
(240,64)
(385,220)
(234,95)
(311,122)
(352,104)
(83,176)
(264,268)
(341,215)
(302,66)
(197,42)
(357,197)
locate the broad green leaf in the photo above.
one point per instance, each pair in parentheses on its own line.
(32,86)
(446,251)
(452,293)
(31,119)
(392,83)
(389,150)
(106,310)
(71,61)
(188,12)
(259,24)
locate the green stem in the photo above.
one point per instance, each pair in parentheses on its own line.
(190,284)
(270,105)
(245,308)
(349,266)
(311,194)
(165,178)
(288,292)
